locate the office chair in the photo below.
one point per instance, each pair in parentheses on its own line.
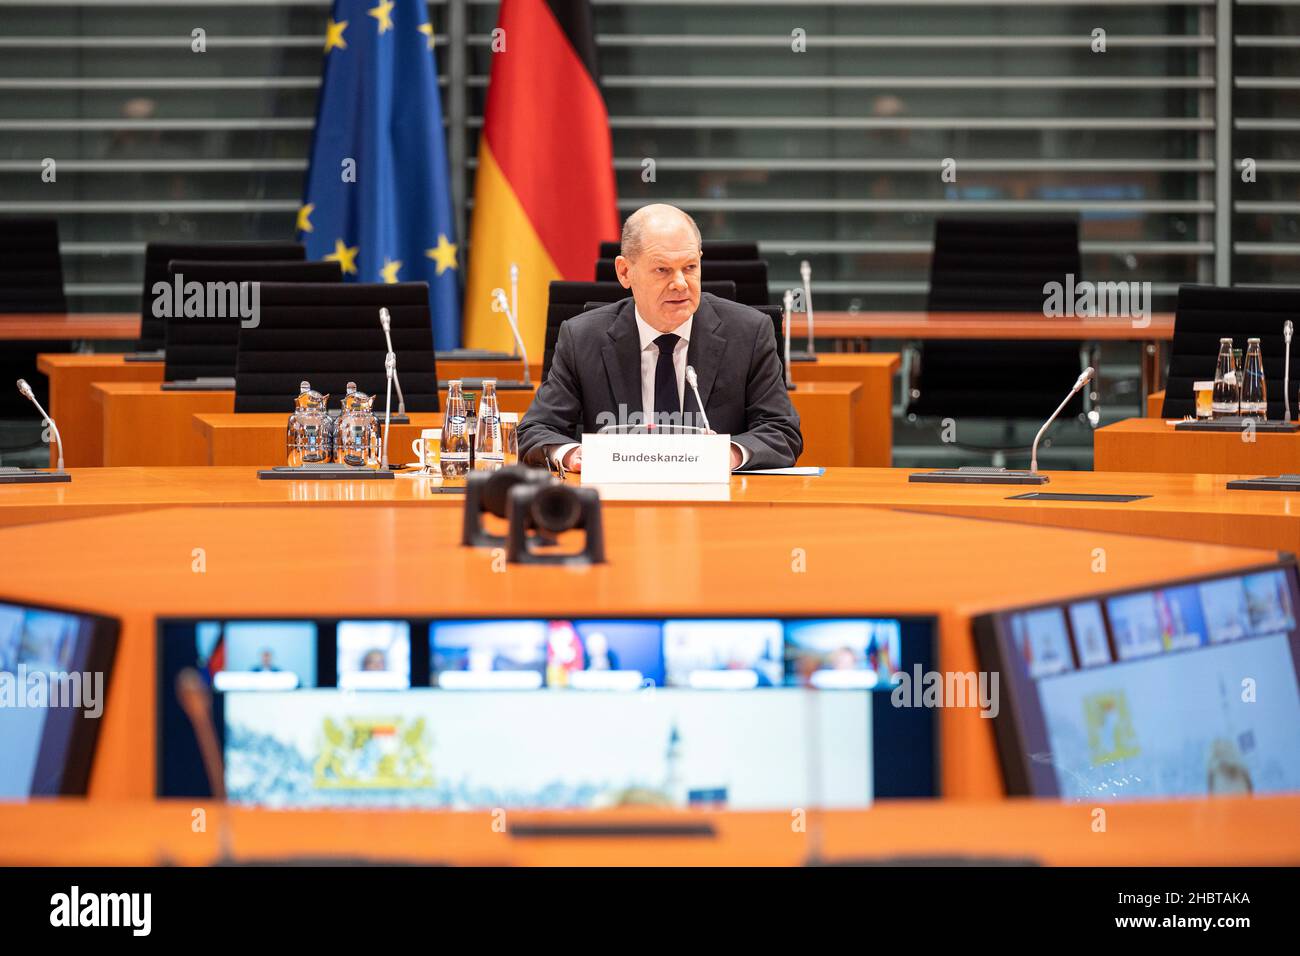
(206,346)
(1203,315)
(329,334)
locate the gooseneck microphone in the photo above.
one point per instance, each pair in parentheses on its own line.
(1287,331)
(805,272)
(499,295)
(390,375)
(693,381)
(1083,380)
(788,306)
(26,391)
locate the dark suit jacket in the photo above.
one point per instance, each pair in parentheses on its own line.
(597,369)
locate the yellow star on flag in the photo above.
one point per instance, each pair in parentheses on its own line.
(334,35)
(389,271)
(304,217)
(444,254)
(345,256)
(384,14)
(427,30)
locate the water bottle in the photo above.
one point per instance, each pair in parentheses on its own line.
(1254,390)
(489,453)
(1226,395)
(455,436)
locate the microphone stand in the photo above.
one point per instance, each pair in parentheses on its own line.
(787,313)
(28,476)
(980,475)
(499,296)
(514,311)
(390,374)
(805,272)
(1287,331)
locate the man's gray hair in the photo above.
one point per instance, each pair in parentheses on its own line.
(633,226)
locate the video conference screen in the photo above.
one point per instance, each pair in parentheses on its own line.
(54,670)
(552,713)
(1188,690)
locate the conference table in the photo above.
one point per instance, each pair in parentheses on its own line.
(857,329)
(1181,507)
(116,412)
(1153,444)
(69,326)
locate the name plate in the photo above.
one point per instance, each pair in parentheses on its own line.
(656,459)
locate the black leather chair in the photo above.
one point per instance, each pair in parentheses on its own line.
(990,265)
(31,280)
(709,249)
(564,300)
(750,277)
(1205,314)
(158,254)
(329,334)
(205,346)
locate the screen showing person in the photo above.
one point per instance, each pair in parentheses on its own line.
(605,655)
(486,655)
(1042,641)
(842,654)
(258,655)
(724,654)
(1180,713)
(528,750)
(374,655)
(1089,627)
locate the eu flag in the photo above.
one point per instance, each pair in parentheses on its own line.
(378,195)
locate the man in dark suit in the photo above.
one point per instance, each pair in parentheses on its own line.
(625,363)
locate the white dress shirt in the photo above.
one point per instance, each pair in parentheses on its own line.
(649,363)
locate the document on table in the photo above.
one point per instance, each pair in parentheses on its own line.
(808,471)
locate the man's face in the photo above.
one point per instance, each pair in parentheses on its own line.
(665,276)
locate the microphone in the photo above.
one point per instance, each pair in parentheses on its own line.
(787,313)
(25,390)
(390,376)
(514,308)
(693,381)
(499,301)
(1083,380)
(1287,330)
(805,271)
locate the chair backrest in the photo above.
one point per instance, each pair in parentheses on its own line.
(709,249)
(568,299)
(329,334)
(750,277)
(1000,265)
(31,269)
(158,254)
(204,345)
(997,265)
(1205,314)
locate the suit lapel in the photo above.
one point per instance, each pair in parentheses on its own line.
(622,357)
(705,351)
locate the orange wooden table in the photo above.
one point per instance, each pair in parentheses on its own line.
(73,326)
(680,561)
(73,406)
(141,424)
(1180,507)
(873,419)
(1236,831)
(1149,444)
(827,411)
(864,326)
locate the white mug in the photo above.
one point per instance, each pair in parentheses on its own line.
(430,440)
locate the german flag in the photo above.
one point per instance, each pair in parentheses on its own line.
(544,196)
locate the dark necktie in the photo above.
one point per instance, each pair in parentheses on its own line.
(667,402)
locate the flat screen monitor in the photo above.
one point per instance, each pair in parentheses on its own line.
(54,675)
(1189,689)
(552,712)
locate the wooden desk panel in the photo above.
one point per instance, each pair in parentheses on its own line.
(1237,831)
(73,406)
(873,418)
(1149,445)
(72,326)
(989,325)
(144,425)
(1155,403)
(679,561)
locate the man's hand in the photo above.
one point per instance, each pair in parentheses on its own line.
(736,458)
(573,460)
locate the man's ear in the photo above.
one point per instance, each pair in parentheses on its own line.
(621,267)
